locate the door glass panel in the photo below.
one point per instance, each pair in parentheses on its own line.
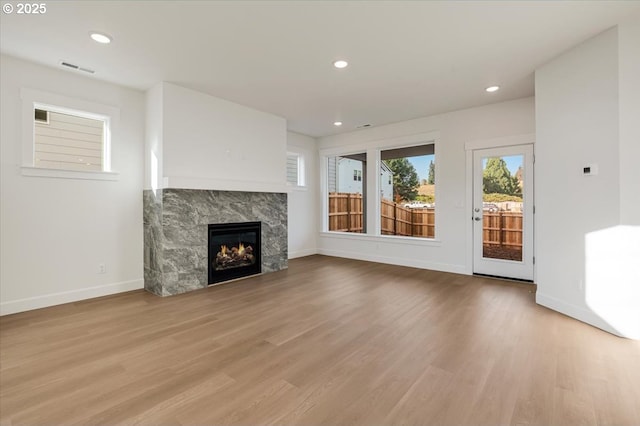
(502,207)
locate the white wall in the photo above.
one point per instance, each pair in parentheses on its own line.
(587,263)
(55,232)
(303,208)
(449,252)
(629,98)
(210,143)
(154,131)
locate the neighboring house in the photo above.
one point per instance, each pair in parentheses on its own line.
(346,175)
(65,141)
(386,182)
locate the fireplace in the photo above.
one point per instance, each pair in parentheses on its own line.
(234,250)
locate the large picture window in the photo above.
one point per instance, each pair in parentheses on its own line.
(347,184)
(407,191)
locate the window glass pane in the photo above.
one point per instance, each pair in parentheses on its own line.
(502,183)
(69,142)
(407,191)
(347,192)
(292,169)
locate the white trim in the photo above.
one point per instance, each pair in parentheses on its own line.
(525,139)
(469,209)
(68,174)
(185,182)
(416,241)
(294,188)
(579,313)
(302,253)
(384,143)
(412,263)
(37,302)
(324,192)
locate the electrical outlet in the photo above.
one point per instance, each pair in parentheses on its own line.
(102,268)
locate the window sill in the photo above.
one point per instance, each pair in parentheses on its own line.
(68,174)
(291,188)
(384,238)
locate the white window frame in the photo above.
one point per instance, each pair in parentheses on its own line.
(372,149)
(378,212)
(301,184)
(32,99)
(324,179)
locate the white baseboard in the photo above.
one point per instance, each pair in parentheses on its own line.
(53,299)
(302,253)
(443,267)
(579,313)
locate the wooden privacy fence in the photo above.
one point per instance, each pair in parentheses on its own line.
(398,220)
(345,212)
(502,228)
(346,215)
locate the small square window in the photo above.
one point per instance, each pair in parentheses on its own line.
(66,137)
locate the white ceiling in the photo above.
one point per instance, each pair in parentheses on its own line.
(407,59)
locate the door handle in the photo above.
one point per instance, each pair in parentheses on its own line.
(477,219)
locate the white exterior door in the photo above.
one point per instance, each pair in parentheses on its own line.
(503,212)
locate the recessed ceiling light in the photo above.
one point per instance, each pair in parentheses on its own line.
(100,37)
(492,89)
(340,64)
(337,123)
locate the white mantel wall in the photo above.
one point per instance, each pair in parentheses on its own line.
(203,142)
(55,232)
(450,250)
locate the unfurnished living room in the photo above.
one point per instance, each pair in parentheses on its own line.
(320,213)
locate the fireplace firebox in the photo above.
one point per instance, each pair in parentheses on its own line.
(234,251)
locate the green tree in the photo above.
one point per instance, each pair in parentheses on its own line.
(431,180)
(497,179)
(405,179)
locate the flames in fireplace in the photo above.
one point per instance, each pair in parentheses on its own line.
(234,250)
(234,257)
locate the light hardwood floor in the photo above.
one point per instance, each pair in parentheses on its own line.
(329,341)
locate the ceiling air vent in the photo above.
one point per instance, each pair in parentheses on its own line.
(76,67)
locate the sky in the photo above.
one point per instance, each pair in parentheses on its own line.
(513,162)
(421,164)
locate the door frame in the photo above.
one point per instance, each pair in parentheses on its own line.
(469,147)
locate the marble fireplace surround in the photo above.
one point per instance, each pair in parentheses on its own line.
(176,233)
